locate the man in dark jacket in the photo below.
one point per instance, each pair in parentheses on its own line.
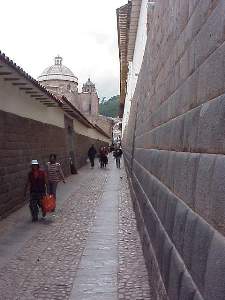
(117,154)
(37,181)
(91,155)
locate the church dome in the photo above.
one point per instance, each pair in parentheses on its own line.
(88,87)
(58,72)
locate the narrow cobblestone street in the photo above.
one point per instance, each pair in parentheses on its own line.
(89,249)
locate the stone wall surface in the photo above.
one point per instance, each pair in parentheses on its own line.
(22,140)
(82,146)
(174,149)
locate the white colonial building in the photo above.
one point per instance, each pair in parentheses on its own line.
(61,81)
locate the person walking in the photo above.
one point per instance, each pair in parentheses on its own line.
(37,181)
(91,155)
(55,174)
(103,157)
(117,154)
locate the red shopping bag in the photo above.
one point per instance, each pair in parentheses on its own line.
(48,204)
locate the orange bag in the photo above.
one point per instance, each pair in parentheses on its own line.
(48,203)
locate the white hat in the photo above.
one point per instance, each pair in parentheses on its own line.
(34,162)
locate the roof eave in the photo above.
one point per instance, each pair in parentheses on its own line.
(26,76)
(134,21)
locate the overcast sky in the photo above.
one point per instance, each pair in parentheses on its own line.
(83,32)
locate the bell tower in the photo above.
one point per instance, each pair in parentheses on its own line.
(89,99)
(89,87)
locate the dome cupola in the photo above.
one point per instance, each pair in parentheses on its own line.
(89,87)
(58,72)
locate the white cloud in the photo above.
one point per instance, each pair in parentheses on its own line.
(83,32)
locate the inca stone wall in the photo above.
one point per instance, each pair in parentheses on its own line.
(22,140)
(174,149)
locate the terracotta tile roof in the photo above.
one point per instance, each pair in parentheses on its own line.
(21,72)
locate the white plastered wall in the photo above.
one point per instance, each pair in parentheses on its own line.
(81,129)
(15,101)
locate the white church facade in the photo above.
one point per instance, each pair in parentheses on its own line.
(61,81)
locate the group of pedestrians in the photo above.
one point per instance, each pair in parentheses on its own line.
(42,182)
(103,155)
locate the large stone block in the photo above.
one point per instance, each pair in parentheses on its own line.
(203,197)
(167,250)
(150,188)
(217,194)
(176,134)
(187,289)
(201,11)
(180,173)
(162,202)
(169,222)
(197,296)
(184,66)
(212,126)
(175,276)
(159,244)
(138,155)
(214,287)
(170,169)
(212,77)
(145,158)
(211,35)
(169,137)
(200,249)
(189,236)
(155,162)
(151,221)
(140,173)
(191,179)
(164,158)
(192,6)
(179,226)
(191,124)
(187,93)
(155,191)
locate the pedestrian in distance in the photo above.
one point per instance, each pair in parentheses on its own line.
(55,174)
(103,159)
(91,155)
(112,148)
(117,154)
(37,182)
(101,156)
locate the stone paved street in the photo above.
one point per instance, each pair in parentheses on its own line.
(89,249)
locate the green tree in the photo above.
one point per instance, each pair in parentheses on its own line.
(110,108)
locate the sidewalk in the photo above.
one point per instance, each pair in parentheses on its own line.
(89,249)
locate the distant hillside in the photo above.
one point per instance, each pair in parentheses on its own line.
(110,108)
